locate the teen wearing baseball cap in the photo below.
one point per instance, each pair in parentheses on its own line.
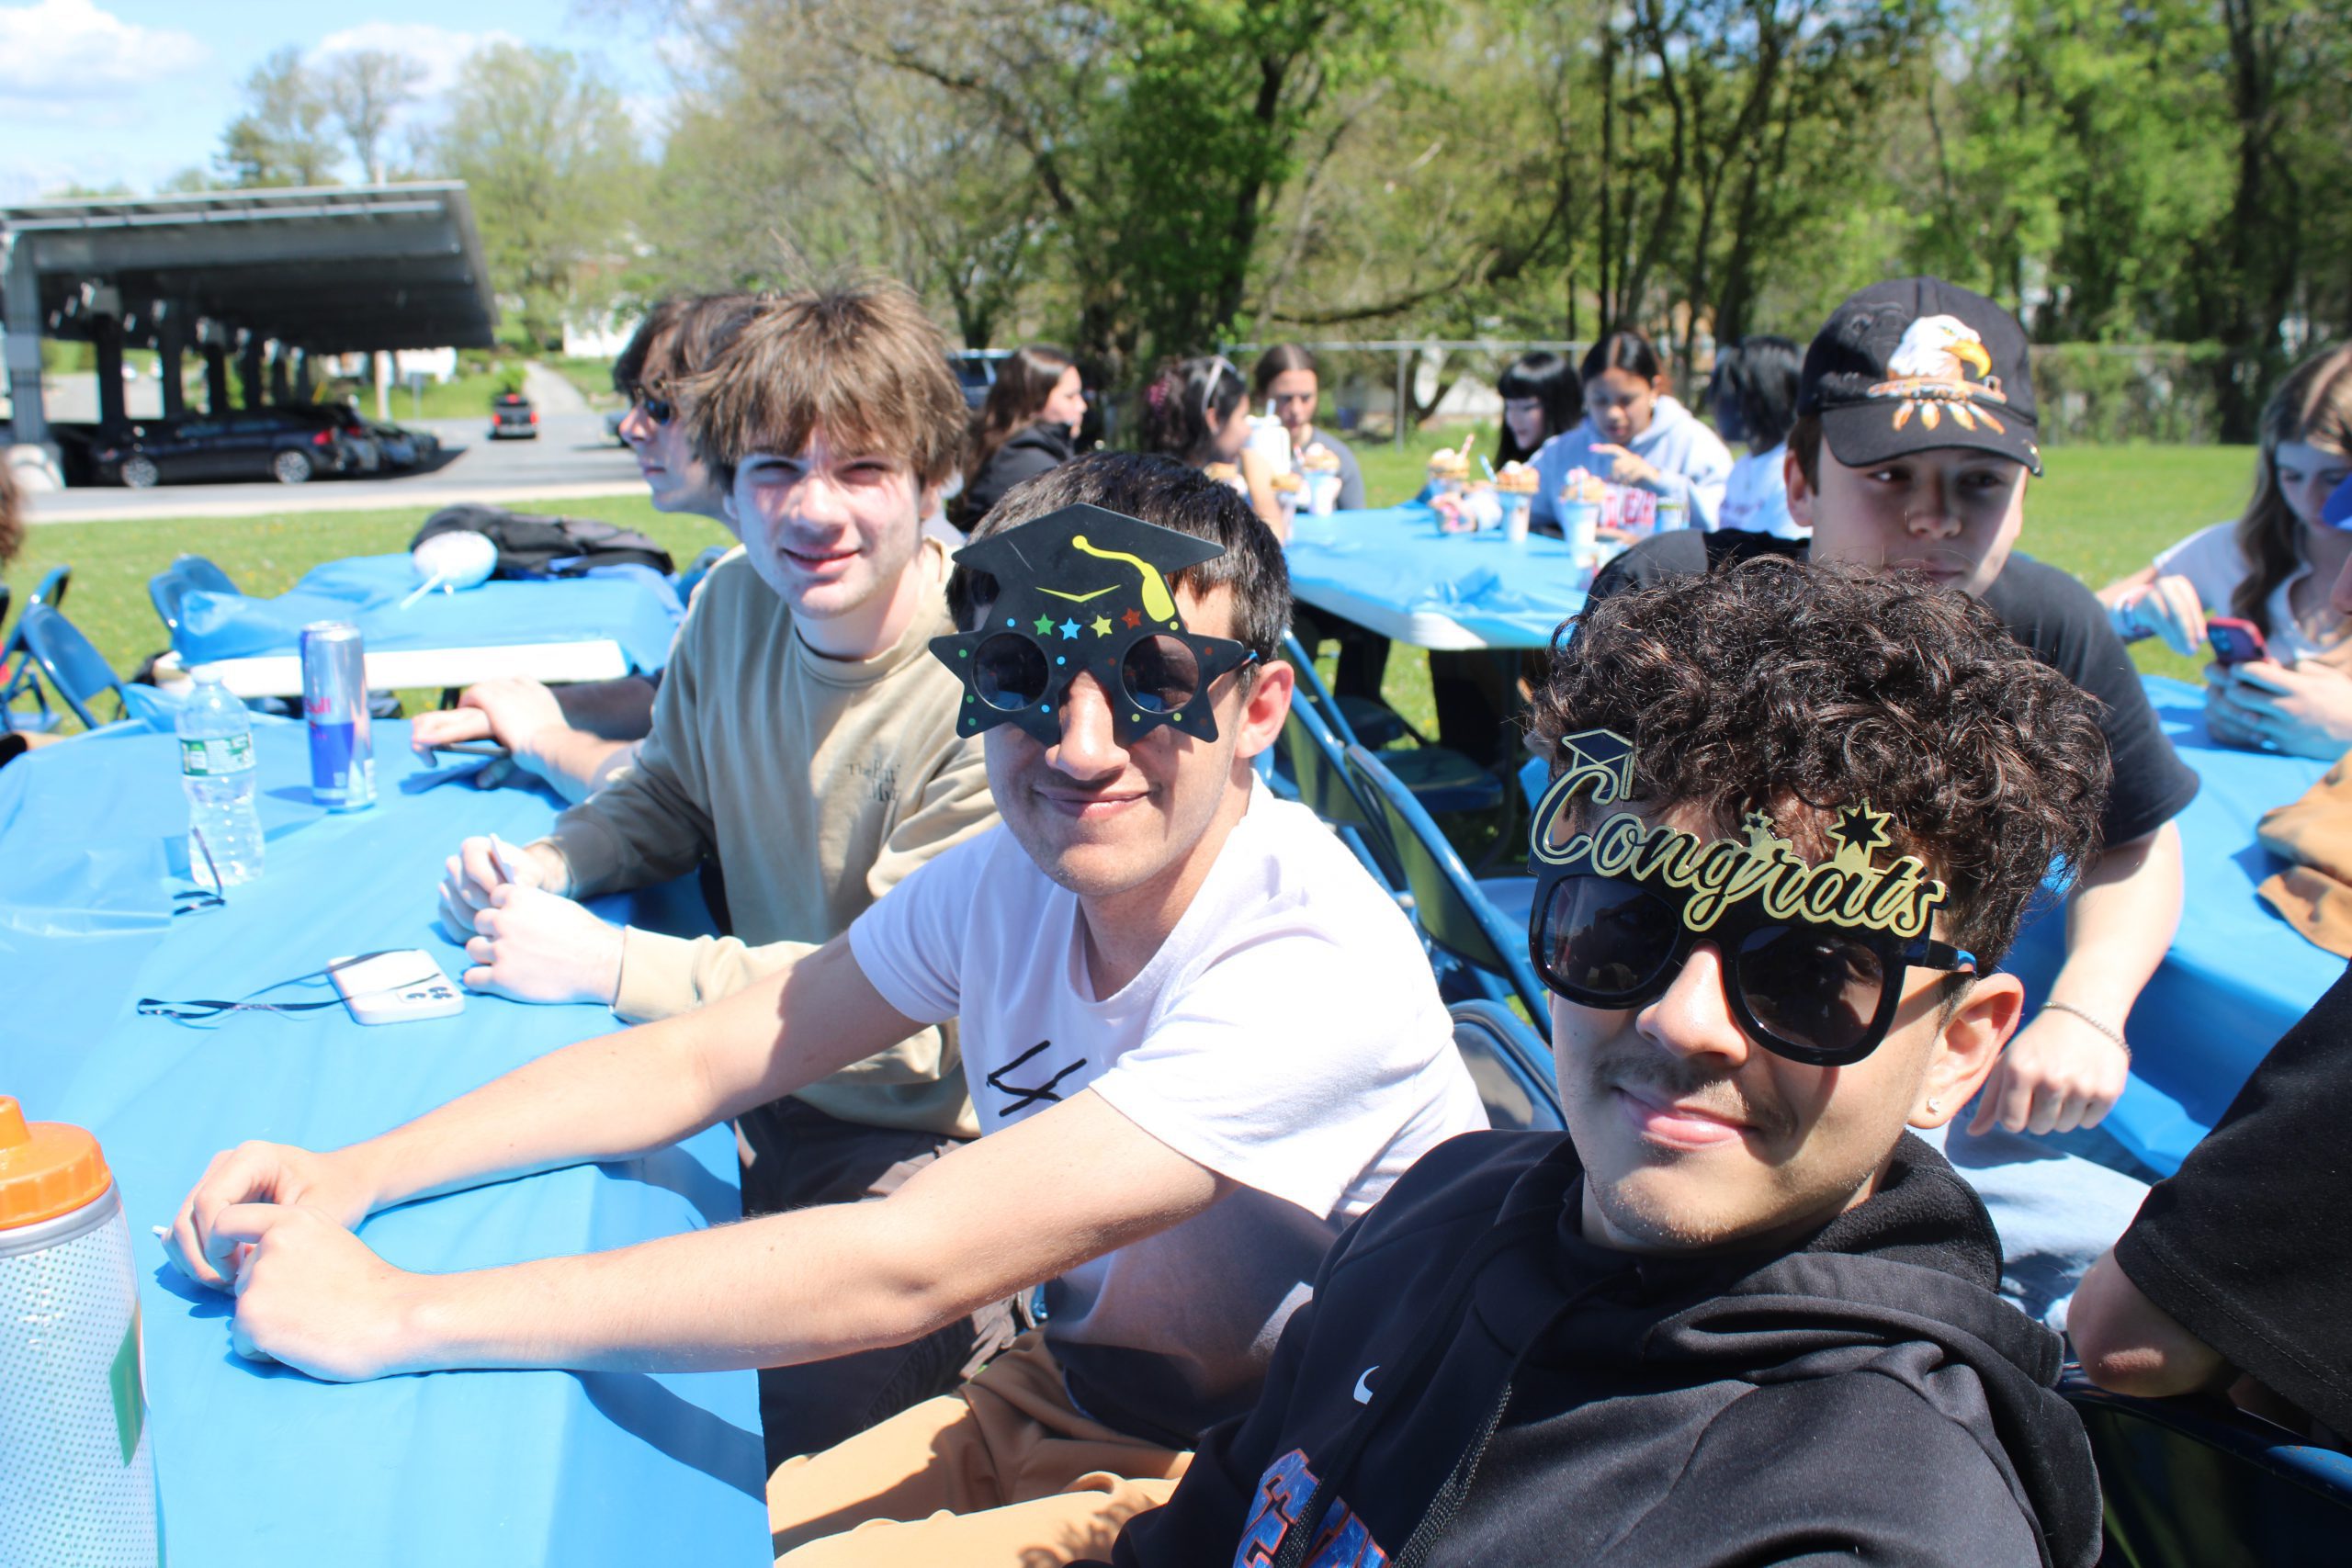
(1915,441)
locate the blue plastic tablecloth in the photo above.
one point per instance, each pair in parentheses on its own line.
(633,606)
(2236,976)
(1393,572)
(257,1465)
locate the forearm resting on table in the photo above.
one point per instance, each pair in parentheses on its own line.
(644,1089)
(575,761)
(994,1217)
(2119,924)
(2129,1345)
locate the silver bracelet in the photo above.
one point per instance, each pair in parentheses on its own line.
(2112,1033)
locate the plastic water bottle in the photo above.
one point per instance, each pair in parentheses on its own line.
(79,1482)
(217,770)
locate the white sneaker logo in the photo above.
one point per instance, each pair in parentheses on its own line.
(1364,1385)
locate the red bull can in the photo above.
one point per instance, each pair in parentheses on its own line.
(334,702)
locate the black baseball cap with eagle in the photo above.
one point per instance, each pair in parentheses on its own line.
(1915,363)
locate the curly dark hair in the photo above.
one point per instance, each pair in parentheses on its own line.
(1773,684)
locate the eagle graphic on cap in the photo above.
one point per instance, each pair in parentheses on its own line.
(1928,370)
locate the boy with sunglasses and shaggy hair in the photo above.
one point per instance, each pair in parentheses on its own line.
(1737,1314)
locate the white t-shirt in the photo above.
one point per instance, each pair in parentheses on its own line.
(1287,1035)
(1755,497)
(2210,560)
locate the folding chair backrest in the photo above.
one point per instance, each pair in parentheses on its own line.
(166,591)
(2192,1481)
(203,576)
(77,668)
(1318,766)
(1447,904)
(53,584)
(1318,695)
(1510,1065)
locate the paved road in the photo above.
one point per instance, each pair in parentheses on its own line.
(572,457)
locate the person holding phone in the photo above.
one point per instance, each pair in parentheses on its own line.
(1634,435)
(2270,571)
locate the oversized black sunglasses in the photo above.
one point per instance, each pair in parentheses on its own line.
(1821,995)
(1159,676)
(658,407)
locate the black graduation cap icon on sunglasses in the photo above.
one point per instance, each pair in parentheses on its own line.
(1087,589)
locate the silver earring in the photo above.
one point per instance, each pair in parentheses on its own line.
(1935,1108)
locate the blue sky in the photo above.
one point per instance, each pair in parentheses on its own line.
(99,91)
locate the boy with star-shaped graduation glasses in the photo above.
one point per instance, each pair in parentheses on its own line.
(1198,1038)
(1739,1312)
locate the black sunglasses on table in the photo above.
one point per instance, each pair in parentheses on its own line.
(1821,995)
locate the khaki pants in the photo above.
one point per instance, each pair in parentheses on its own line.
(1003,1471)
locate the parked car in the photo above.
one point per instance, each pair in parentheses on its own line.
(247,443)
(404,448)
(512,416)
(975,369)
(366,453)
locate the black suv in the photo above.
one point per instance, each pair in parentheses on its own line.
(246,443)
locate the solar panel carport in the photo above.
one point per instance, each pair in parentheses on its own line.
(322,270)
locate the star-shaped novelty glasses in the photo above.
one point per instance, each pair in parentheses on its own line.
(1114,570)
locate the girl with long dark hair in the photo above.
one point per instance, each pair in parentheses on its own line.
(1286,376)
(1635,434)
(1754,396)
(1541,397)
(1027,426)
(2273,566)
(1197,411)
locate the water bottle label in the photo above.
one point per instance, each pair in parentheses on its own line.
(220,754)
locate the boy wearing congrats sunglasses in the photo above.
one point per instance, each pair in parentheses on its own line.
(1736,1315)
(1198,1037)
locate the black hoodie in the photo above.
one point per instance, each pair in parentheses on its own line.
(1032,450)
(1474,1383)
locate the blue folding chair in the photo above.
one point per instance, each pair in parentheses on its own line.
(66,660)
(1443,780)
(51,591)
(17,681)
(168,588)
(203,576)
(1314,763)
(2198,1484)
(1511,1067)
(1481,922)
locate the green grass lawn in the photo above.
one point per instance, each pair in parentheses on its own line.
(2099,512)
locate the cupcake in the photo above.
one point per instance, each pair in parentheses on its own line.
(1516,479)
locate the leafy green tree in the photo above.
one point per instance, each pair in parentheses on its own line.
(552,165)
(364,89)
(280,137)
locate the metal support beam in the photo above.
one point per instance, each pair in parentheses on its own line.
(249,380)
(279,390)
(20,290)
(306,377)
(171,351)
(106,337)
(216,377)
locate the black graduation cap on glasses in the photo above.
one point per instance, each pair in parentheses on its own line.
(1086,589)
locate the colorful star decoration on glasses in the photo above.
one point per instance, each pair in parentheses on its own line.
(1016,668)
(1861,830)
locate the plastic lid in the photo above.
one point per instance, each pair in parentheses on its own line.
(47,1168)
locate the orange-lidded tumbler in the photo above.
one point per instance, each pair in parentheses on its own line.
(77,1478)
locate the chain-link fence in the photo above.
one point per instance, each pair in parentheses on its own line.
(2088,393)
